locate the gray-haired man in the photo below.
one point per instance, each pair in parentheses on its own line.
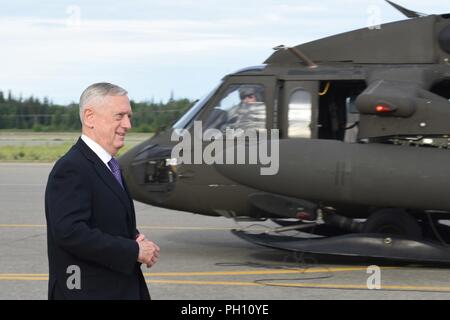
(94,248)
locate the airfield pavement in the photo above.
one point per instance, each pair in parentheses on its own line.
(200,258)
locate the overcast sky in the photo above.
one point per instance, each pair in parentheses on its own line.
(56,48)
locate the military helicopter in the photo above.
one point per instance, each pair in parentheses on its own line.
(361,122)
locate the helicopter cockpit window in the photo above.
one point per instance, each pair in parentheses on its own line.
(299,116)
(241,107)
(187,118)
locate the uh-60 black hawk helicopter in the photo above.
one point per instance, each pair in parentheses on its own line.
(363,121)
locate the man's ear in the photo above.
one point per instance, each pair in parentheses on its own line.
(88,117)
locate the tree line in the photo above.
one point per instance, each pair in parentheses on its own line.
(42,115)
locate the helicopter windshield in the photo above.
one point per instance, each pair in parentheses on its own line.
(187,118)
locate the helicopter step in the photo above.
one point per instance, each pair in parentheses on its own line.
(365,245)
(388,233)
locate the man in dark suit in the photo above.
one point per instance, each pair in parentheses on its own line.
(94,248)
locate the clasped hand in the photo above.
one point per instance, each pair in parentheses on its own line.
(148,251)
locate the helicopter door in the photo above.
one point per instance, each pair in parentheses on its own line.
(298,112)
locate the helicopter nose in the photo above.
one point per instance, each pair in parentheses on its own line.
(148,172)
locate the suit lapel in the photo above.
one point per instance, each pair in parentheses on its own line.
(108,178)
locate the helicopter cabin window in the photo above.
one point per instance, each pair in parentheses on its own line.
(299,116)
(242,106)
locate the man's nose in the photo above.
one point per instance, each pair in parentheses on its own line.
(126,122)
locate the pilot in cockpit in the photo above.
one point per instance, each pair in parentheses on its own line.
(242,107)
(250,113)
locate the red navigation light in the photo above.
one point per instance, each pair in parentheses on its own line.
(383,109)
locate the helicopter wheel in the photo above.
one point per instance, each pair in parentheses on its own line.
(394,222)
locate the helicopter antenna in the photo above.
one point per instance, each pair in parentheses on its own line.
(406,12)
(298,54)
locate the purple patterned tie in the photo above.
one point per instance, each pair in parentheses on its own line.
(115,168)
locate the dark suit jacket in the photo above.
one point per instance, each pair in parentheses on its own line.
(91,224)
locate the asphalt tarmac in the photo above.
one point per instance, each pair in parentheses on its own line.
(200,258)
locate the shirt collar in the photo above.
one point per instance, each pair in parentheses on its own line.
(98,149)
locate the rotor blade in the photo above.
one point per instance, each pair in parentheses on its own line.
(406,12)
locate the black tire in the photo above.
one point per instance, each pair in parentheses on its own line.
(393,222)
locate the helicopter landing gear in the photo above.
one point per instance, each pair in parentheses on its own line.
(388,233)
(393,222)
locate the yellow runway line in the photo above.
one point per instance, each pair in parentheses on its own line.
(219,273)
(225,283)
(44,277)
(305,285)
(259,272)
(23,274)
(279,284)
(23,278)
(23,225)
